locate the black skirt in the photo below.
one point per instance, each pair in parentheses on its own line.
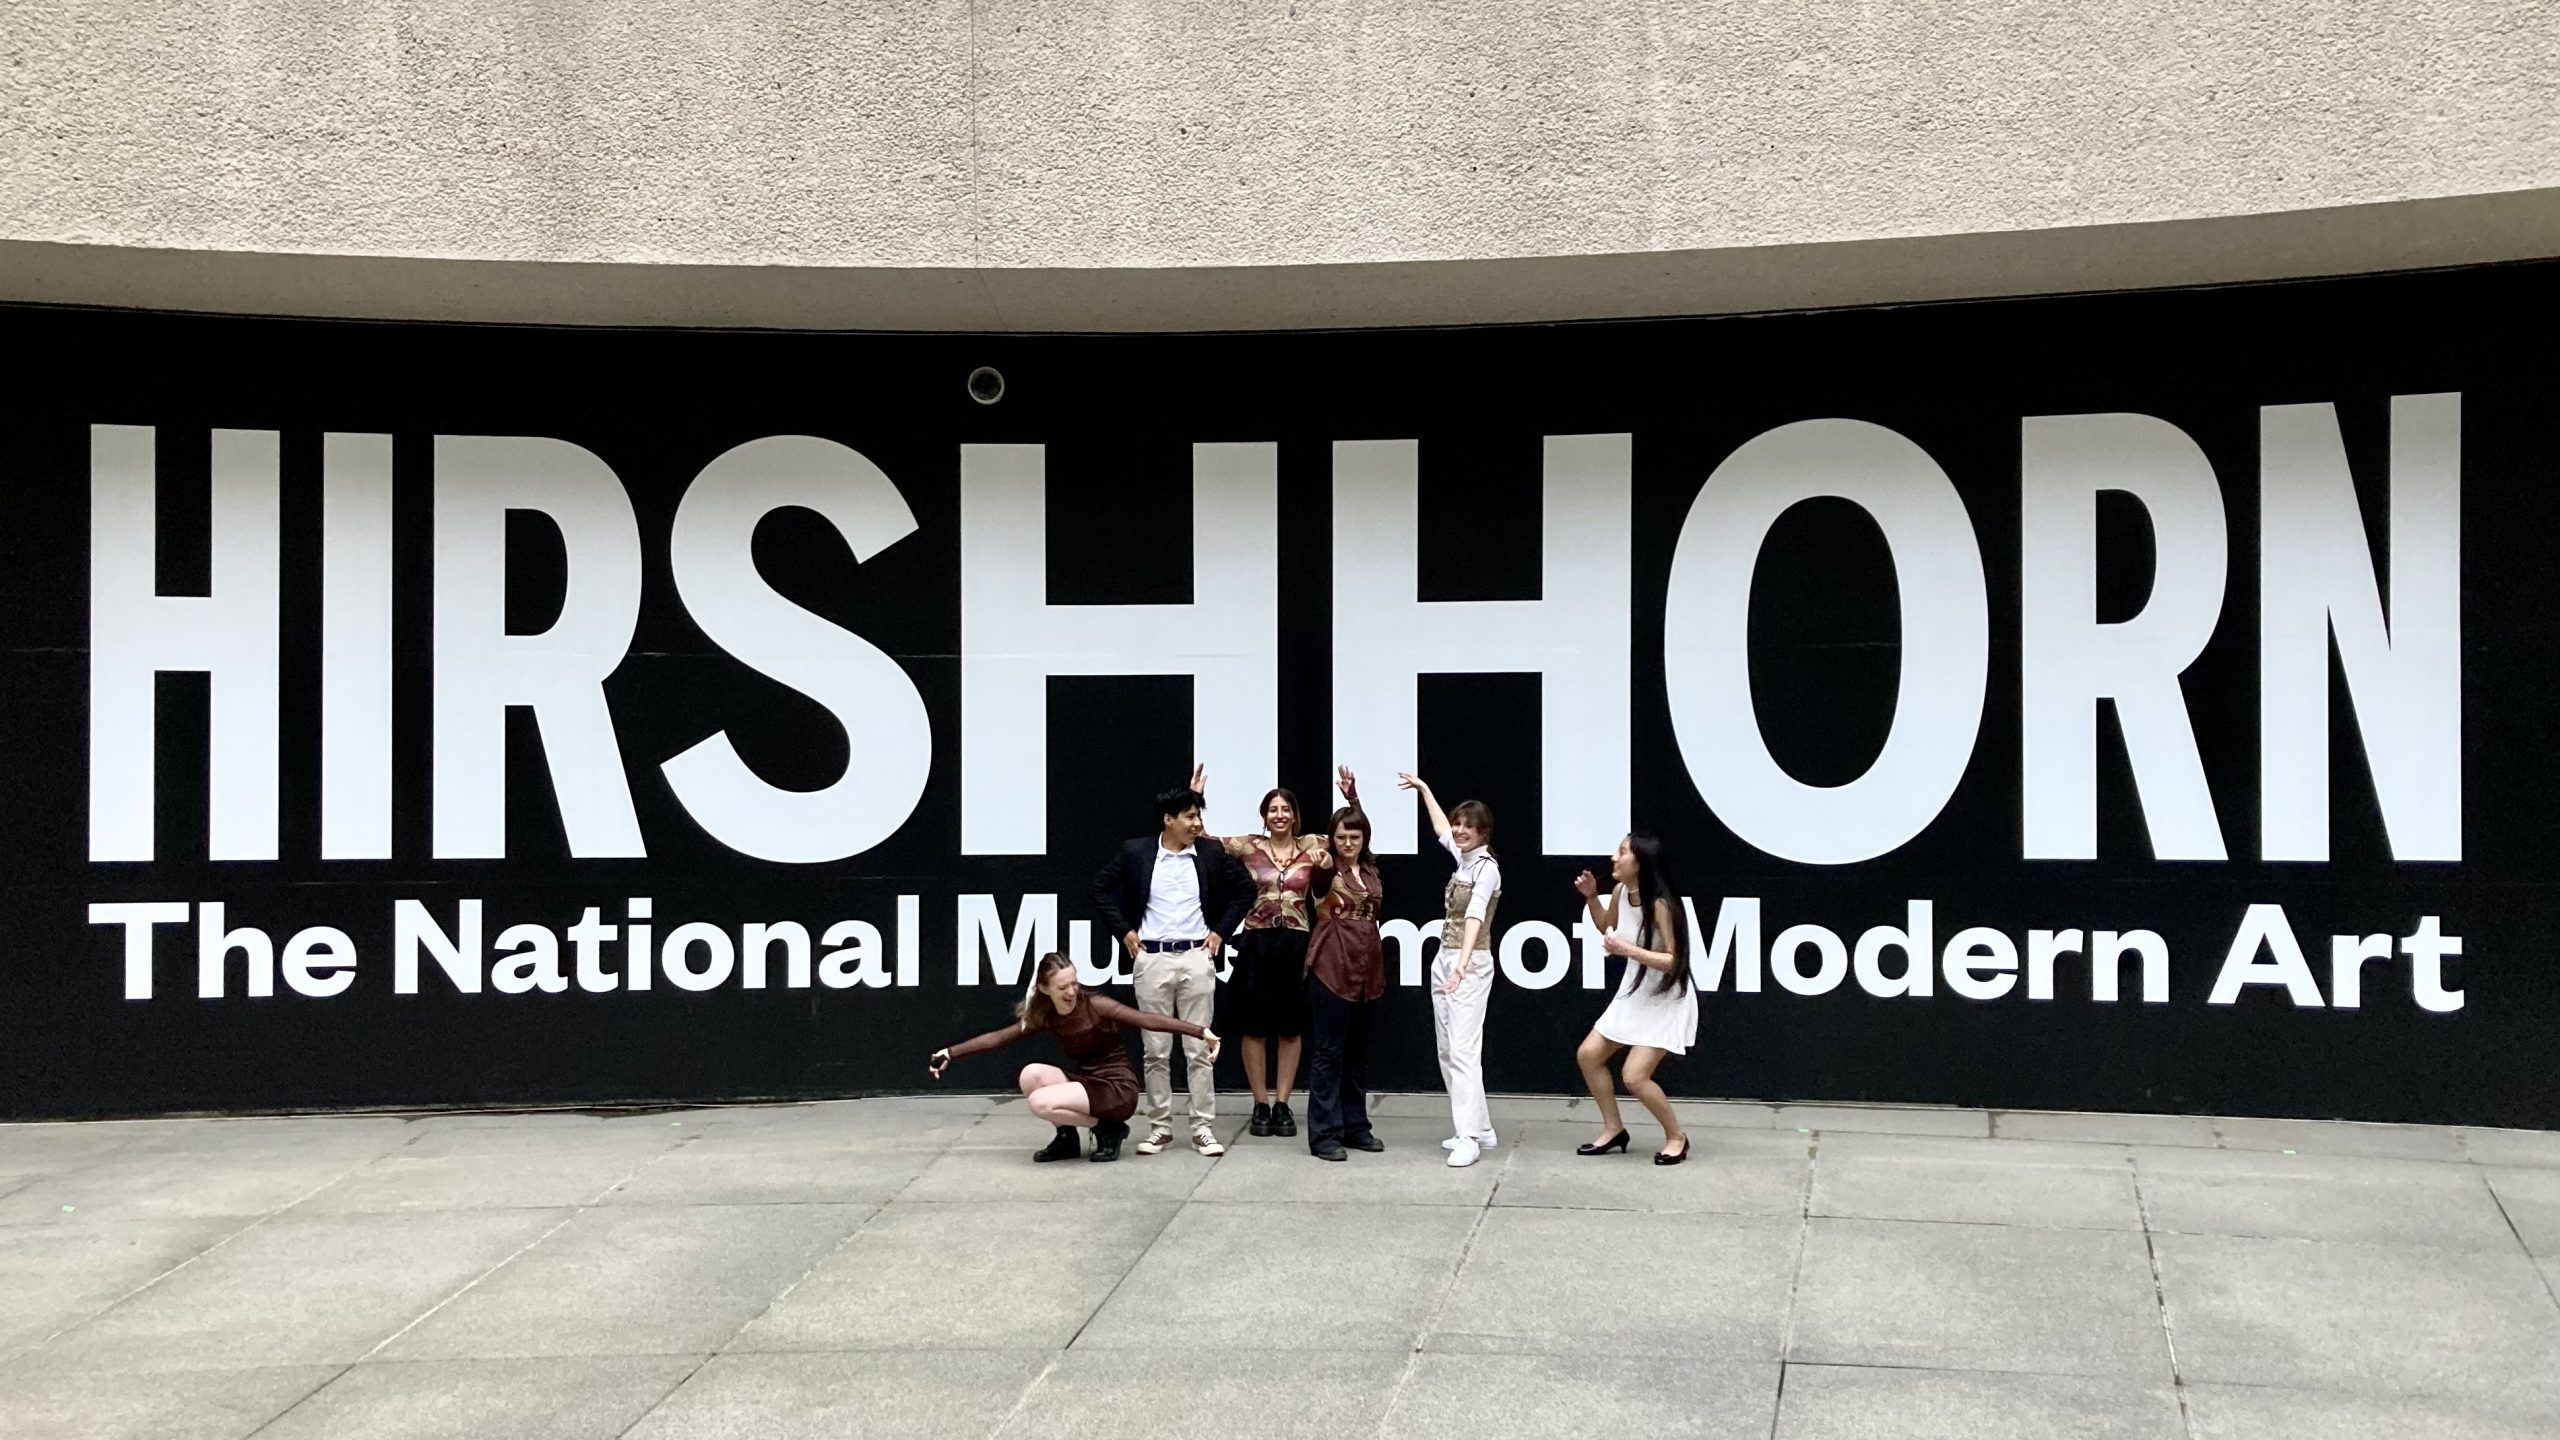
(1266,996)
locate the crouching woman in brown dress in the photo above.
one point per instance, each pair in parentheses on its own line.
(1097,1088)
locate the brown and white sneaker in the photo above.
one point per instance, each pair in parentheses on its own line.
(1206,1142)
(1155,1142)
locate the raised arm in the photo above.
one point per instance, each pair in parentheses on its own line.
(1603,913)
(1430,802)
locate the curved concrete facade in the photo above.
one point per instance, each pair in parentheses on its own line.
(1150,164)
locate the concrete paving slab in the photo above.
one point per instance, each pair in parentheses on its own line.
(1602,1282)
(1285,1277)
(1412,1170)
(1709,1114)
(594,1398)
(952,1276)
(66,1404)
(199,1172)
(1507,1110)
(1841,1402)
(637,1280)
(1282,1395)
(2097,1196)
(1866,1145)
(1885,1119)
(1466,1397)
(56,1276)
(2342,1137)
(992,1160)
(2072,1127)
(2370,1319)
(783,1166)
(2513,1147)
(317,1290)
(2259,1412)
(1978,1297)
(514,1167)
(27,1150)
(2531,1200)
(1729,1172)
(851,1395)
(2321,1197)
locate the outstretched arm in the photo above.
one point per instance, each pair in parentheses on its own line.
(1430,802)
(1110,1009)
(992,1040)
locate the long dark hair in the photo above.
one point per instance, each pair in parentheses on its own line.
(1653,884)
(1352,816)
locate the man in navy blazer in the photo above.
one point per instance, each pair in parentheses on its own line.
(1173,899)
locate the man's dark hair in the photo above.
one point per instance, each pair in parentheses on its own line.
(1178,799)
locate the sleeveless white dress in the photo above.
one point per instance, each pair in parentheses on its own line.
(1646,1012)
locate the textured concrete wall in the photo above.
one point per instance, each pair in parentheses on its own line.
(957,135)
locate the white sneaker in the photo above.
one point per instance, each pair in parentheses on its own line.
(1207,1144)
(1463,1152)
(1155,1142)
(1484,1141)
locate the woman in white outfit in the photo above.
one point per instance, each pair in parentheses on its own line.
(1656,1009)
(1462,974)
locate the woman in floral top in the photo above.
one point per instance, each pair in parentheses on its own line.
(1265,998)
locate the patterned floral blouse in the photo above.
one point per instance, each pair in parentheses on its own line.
(1285,888)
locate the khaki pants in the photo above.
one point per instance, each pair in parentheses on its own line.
(1183,983)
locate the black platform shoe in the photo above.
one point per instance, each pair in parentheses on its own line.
(1282,1122)
(1261,1123)
(1106,1140)
(1062,1148)
(1617,1142)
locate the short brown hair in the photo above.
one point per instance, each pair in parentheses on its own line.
(1477,814)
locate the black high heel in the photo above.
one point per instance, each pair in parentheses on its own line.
(1665,1157)
(1617,1143)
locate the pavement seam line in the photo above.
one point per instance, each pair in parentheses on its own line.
(2529,1257)
(2160,1297)
(1440,1302)
(473,1283)
(1804,1244)
(779,1296)
(190,1260)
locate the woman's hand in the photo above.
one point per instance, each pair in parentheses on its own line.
(1586,886)
(1323,851)
(1457,974)
(1617,944)
(937,1062)
(1407,780)
(1210,1036)
(1348,784)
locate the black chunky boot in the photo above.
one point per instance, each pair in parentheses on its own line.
(1106,1140)
(1064,1147)
(1282,1122)
(1261,1122)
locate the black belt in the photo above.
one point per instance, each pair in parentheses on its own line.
(1173,947)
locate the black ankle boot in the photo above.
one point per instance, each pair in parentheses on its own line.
(1261,1122)
(1282,1122)
(1106,1140)
(1065,1147)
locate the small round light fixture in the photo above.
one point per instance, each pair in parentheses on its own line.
(986,385)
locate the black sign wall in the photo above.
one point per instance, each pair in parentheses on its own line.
(2119,702)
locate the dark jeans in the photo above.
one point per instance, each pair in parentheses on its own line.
(1338,1073)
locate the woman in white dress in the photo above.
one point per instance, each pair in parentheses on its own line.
(1656,1009)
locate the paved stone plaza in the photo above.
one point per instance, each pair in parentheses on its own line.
(900,1268)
